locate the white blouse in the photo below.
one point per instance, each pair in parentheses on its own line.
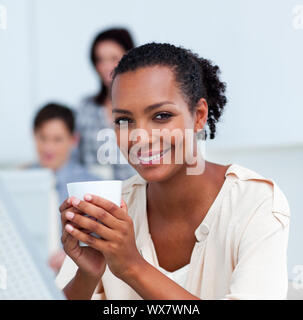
(179,276)
(241,245)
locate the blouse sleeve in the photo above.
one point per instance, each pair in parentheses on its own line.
(261,269)
(99,293)
(68,271)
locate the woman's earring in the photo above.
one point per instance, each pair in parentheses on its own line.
(200,137)
(201,134)
(201,142)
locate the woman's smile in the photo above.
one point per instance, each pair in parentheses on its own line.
(152,157)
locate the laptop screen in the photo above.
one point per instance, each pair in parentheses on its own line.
(23,273)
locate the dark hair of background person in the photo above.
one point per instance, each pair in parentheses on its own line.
(196,77)
(53,111)
(118,35)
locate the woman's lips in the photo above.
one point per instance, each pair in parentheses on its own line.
(152,157)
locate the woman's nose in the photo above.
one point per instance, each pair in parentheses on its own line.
(144,137)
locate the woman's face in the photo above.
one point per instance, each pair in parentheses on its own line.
(150,100)
(108,53)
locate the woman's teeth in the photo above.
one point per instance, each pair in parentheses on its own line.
(153,157)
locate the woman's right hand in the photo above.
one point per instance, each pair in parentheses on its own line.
(90,261)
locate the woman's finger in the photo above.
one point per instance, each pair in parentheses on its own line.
(91,225)
(70,243)
(98,213)
(106,205)
(63,215)
(112,208)
(91,241)
(65,205)
(123,205)
(64,236)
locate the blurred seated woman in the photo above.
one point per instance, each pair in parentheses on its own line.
(94,112)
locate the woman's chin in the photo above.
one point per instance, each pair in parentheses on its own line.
(155,173)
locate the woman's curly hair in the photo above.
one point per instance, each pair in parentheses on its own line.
(196,77)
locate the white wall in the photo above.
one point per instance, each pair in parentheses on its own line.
(16,83)
(253,42)
(44,56)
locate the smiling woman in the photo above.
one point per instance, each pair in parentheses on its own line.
(218,234)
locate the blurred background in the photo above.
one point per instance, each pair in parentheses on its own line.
(44,56)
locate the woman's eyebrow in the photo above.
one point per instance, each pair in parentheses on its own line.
(121,111)
(146,109)
(156,105)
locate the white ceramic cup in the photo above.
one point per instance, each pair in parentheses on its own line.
(108,189)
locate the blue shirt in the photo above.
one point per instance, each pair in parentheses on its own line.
(69,172)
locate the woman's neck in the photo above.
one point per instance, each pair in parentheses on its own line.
(184,193)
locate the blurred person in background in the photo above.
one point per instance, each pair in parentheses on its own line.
(55,139)
(94,112)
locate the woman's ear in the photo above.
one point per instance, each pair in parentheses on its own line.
(201,114)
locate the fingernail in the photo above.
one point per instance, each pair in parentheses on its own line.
(68,201)
(76,201)
(69,215)
(88,197)
(69,228)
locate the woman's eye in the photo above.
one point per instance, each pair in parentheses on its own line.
(162,116)
(122,121)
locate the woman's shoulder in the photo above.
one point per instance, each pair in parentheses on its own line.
(134,193)
(86,103)
(129,186)
(86,110)
(252,189)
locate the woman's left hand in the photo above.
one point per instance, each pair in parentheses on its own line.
(117,234)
